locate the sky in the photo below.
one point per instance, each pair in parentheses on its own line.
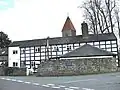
(36,19)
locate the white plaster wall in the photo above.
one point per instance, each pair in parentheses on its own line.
(13,57)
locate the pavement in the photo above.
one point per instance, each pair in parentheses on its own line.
(108,81)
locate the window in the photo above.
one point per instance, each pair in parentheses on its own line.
(32,64)
(57,48)
(15,51)
(23,51)
(68,48)
(37,50)
(15,64)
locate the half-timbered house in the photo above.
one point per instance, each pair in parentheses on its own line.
(30,53)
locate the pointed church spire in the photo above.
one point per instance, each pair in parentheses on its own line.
(68,28)
(68,25)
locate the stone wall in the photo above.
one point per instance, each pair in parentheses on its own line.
(2,71)
(15,71)
(12,71)
(77,66)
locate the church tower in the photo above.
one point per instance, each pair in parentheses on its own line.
(68,28)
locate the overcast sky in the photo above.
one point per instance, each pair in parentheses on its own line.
(35,19)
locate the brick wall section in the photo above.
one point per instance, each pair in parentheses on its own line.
(77,66)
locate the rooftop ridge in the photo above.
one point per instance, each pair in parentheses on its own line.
(64,40)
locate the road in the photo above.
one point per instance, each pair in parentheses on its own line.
(110,81)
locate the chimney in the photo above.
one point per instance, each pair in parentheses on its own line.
(84,28)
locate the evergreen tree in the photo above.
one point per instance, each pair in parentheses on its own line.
(4,40)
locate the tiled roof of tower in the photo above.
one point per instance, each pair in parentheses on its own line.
(68,25)
(65,40)
(87,50)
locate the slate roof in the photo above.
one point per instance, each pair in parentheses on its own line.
(87,50)
(64,40)
(68,25)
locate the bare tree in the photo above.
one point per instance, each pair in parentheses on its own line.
(117,20)
(102,15)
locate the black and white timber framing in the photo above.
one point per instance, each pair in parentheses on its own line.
(33,52)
